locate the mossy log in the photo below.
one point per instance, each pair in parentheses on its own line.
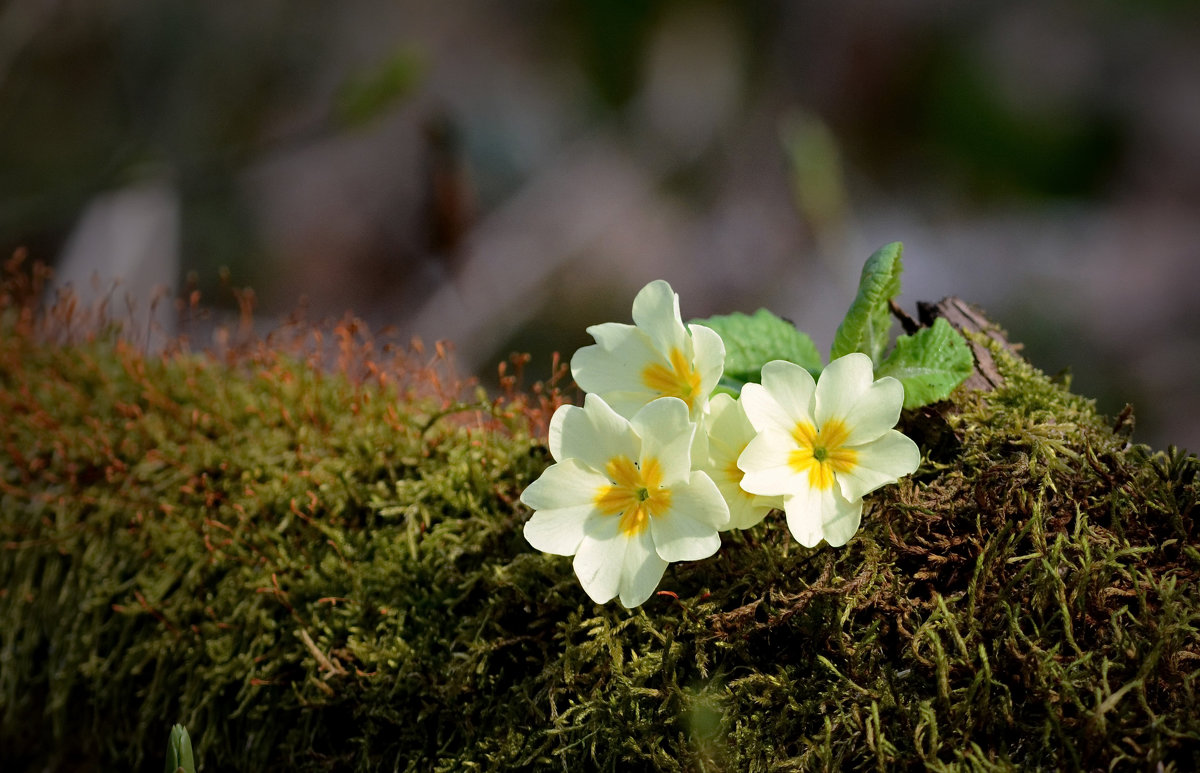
(318,568)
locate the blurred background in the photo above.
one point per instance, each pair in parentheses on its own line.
(503,174)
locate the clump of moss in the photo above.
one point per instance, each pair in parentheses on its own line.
(321,568)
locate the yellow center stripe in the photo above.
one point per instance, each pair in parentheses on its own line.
(680,380)
(820,452)
(636,493)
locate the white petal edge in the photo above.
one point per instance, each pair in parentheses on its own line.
(708,358)
(841,520)
(558,531)
(726,424)
(667,434)
(729,431)
(880,462)
(688,530)
(793,389)
(610,336)
(841,384)
(816,514)
(747,510)
(617,365)
(875,412)
(600,557)
(763,410)
(656,311)
(641,570)
(803,512)
(765,462)
(565,484)
(593,434)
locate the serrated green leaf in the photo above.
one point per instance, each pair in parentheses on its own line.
(868,323)
(752,341)
(930,363)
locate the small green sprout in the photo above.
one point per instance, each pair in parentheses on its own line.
(179,752)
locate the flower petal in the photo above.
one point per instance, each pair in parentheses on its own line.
(594,434)
(728,432)
(566,484)
(804,515)
(879,463)
(815,514)
(703,501)
(792,387)
(708,359)
(558,531)
(598,562)
(611,336)
(554,437)
(563,498)
(765,462)
(875,412)
(699,451)
(688,530)
(641,570)
(761,409)
(656,311)
(746,510)
(841,384)
(841,518)
(667,435)
(727,427)
(613,367)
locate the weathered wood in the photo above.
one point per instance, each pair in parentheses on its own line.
(967,318)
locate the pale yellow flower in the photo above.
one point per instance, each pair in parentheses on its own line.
(729,432)
(824,445)
(623,498)
(657,356)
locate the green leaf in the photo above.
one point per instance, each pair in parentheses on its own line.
(752,341)
(868,323)
(179,751)
(930,363)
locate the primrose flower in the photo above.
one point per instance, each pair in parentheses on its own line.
(622,497)
(824,445)
(729,431)
(657,356)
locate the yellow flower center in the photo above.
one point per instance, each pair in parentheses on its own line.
(820,452)
(636,493)
(680,380)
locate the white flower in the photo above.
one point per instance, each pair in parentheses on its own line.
(824,446)
(630,365)
(623,498)
(729,431)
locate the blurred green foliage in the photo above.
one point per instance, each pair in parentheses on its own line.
(611,39)
(372,92)
(973,133)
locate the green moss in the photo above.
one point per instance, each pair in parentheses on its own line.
(314,570)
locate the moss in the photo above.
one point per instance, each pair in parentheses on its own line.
(321,568)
